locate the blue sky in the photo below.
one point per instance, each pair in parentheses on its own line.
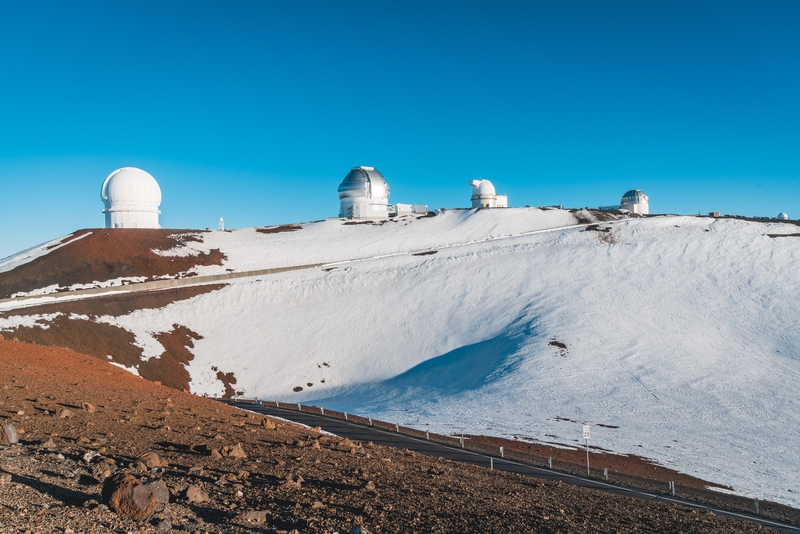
(255,111)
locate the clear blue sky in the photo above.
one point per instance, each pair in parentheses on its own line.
(255,111)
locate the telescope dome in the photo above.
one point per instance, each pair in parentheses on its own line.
(131,197)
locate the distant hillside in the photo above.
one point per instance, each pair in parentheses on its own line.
(676,338)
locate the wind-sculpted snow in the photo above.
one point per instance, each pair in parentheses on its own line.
(676,338)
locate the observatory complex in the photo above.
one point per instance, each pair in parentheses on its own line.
(484,195)
(364,194)
(131,197)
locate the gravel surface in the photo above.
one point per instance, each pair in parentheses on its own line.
(81,421)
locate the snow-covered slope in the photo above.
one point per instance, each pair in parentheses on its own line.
(677,338)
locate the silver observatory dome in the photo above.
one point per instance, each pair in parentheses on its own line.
(364,182)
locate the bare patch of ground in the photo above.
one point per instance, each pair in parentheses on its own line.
(628,464)
(106,254)
(224,470)
(77,328)
(279,229)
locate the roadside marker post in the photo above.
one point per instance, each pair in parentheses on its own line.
(501,453)
(586,437)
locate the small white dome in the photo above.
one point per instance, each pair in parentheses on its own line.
(783,216)
(482,188)
(130,187)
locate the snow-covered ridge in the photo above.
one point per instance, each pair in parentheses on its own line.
(678,334)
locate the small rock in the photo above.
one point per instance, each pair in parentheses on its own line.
(126,496)
(90,455)
(49,443)
(317,505)
(233,451)
(164,524)
(65,413)
(161,491)
(216,454)
(88,407)
(368,485)
(268,424)
(254,516)
(9,434)
(151,459)
(5,478)
(195,494)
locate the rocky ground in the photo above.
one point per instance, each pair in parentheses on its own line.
(207,467)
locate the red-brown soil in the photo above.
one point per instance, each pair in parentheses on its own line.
(293,479)
(105,254)
(627,464)
(102,340)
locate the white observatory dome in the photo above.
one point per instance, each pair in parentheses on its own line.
(485,196)
(635,201)
(783,216)
(364,194)
(131,197)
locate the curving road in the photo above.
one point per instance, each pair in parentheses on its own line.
(379,436)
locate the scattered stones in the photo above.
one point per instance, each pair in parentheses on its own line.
(196,495)
(125,495)
(9,435)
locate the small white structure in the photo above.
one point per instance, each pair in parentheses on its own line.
(364,194)
(783,216)
(635,201)
(131,197)
(484,195)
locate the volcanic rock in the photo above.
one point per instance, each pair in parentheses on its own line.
(125,495)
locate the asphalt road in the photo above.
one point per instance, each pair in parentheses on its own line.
(379,436)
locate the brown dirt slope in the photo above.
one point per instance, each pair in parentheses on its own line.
(104,254)
(77,328)
(292,479)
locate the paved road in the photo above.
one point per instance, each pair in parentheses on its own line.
(379,436)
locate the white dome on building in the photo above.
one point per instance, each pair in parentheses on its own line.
(364,194)
(783,216)
(485,196)
(635,201)
(131,197)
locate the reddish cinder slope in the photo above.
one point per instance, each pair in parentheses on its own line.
(105,254)
(286,479)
